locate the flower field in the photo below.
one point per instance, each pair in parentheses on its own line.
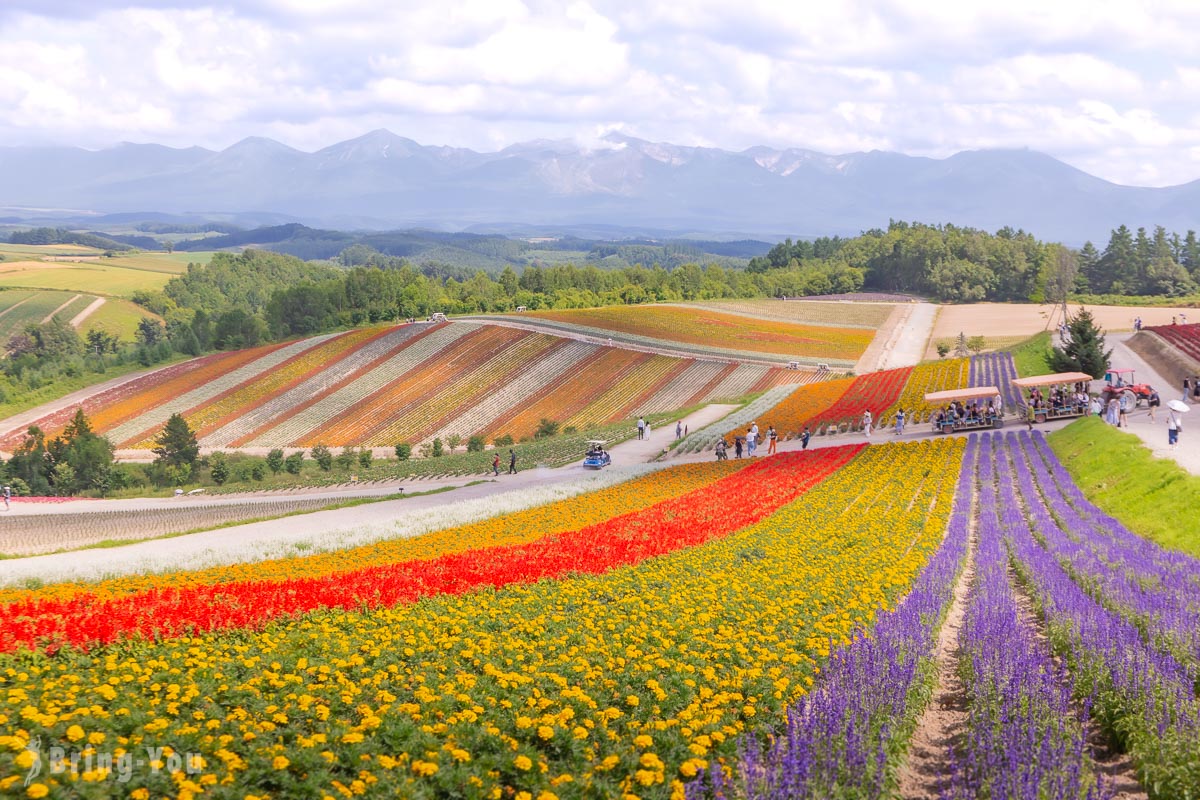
(660,637)
(872,392)
(410,383)
(1185,338)
(996,369)
(622,656)
(719,331)
(931,376)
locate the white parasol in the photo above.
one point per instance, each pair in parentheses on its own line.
(1178,405)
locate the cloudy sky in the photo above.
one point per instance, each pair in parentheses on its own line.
(1110,87)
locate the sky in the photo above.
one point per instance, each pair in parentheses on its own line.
(1112,88)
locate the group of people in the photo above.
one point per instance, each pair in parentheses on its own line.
(958,414)
(748,442)
(512,463)
(1060,398)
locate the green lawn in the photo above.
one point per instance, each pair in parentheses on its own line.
(1029,356)
(115,316)
(1155,497)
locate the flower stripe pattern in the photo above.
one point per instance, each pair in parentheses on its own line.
(683,522)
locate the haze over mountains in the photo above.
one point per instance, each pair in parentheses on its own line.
(381,180)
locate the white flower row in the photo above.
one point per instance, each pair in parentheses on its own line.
(679,391)
(200,550)
(155,417)
(706,438)
(520,388)
(261,415)
(739,381)
(366,385)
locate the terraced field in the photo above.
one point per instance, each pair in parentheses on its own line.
(410,383)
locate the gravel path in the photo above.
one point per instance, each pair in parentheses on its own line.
(908,348)
(92,308)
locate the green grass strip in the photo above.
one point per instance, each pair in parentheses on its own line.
(1154,497)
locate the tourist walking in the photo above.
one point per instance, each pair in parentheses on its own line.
(804,437)
(512,462)
(679,430)
(1153,402)
(641,426)
(722,450)
(496,464)
(751,441)
(1187,389)
(899,421)
(1174,426)
(1137,323)
(7,496)
(1122,410)
(772,439)
(866,423)
(737,446)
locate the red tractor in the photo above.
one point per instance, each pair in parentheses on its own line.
(1120,382)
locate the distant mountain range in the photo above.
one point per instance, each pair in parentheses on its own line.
(382,180)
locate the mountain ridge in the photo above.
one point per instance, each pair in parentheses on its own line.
(386,179)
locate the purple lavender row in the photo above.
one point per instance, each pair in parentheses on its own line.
(1023,738)
(995,369)
(838,737)
(1178,570)
(1126,579)
(1142,698)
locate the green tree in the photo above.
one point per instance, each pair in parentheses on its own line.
(943,349)
(320,454)
(275,460)
(1084,351)
(436,449)
(177,444)
(294,463)
(218,468)
(976,344)
(150,332)
(403,451)
(546,428)
(346,458)
(365,457)
(453,441)
(88,454)
(476,444)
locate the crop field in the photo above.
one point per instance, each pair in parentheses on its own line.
(22,251)
(720,333)
(172,263)
(807,312)
(21,307)
(93,277)
(410,383)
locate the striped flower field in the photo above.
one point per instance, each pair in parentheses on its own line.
(410,383)
(656,638)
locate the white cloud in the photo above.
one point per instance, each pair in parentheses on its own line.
(1107,85)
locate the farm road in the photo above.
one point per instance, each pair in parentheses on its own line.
(225,545)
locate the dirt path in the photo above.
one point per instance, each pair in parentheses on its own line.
(926,772)
(53,313)
(92,308)
(1117,769)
